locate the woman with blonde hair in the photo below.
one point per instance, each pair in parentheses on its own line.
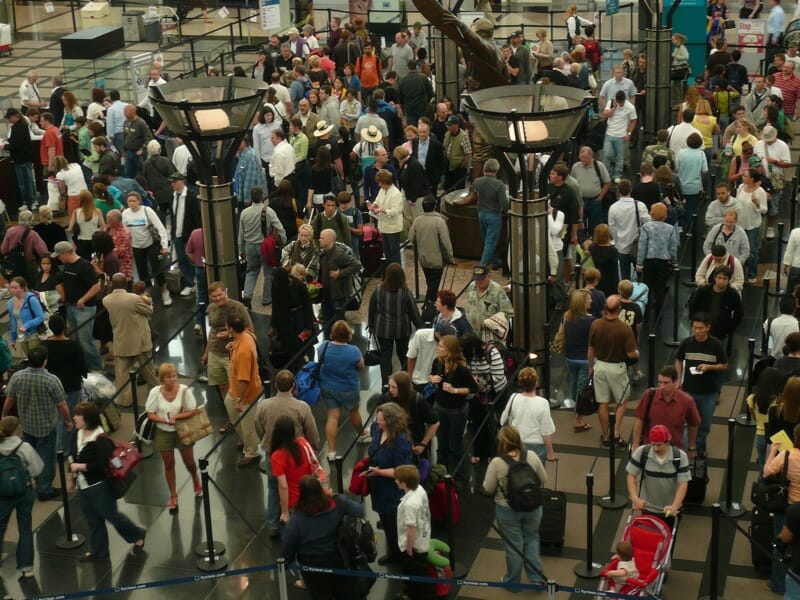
(520,529)
(574,23)
(542,51)
(302,251)
(85,222)
(606,260)
(50,231)
(70,181)
(658,251)
(454,383)
(575,328)
(706,123)
(690,100)
(390,447)
(167,403)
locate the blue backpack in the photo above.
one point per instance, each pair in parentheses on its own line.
(306,382)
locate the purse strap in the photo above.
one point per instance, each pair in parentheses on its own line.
(310,454)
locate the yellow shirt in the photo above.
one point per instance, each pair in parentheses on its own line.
(739,140)
(706,129)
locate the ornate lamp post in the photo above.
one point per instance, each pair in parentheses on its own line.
(212,116)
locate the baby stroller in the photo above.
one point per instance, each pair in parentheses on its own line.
(651,539)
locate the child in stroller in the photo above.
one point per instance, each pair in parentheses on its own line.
(624,567)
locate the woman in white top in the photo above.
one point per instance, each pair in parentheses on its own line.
(752,206)
(555,223)
(89,219)
(574,23)
(70,180)
(169,402)
(262,137)
(142,221)
(388,209)
(530,414)
(97,109)
(519,528)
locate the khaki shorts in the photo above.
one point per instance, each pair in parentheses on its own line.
(611,382)
(167,441)
(218,368)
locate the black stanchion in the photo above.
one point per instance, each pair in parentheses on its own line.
(716,517)
(203,307)
(69,540)
(546,364)
(764,317)
(578,276)
(651,360)
(744,419)
(144,449)
(210,551)
(729,507)
(612,501)
(459,570)
(793,205)
(589,569)
(778,257)
(693,248)
(417,295)
(676,310)
(339,461)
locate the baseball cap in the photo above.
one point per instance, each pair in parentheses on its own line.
(61,248)
(11,112)
(177,176)
(479,272)
(452,120)
(659,434)
(769,133)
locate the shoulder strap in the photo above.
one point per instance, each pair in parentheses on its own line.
(597,170)
(322,356)
(510,408)
(183,398)
(14,451)
(649,397)
(645,454)
(21,242)
(786,464)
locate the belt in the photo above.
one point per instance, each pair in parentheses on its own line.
(612,362)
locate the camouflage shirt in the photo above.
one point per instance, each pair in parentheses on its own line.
(650,152)
(495,300)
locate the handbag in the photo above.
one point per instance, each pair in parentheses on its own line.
(776,175)
(152,229)
(679,72)
(358,483)
(337,185)
(307,385)
(373,357)
(634,251)
(194,428)
(772,493)
(559,342)
(316,469)
(586,403)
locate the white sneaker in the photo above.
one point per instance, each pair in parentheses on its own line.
(166,299)
(187,291)
(331,457)
(364,438)
(198,330)
(770,233)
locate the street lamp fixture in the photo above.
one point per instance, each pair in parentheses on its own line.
(212,116)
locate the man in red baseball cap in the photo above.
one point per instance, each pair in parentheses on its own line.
(664,473)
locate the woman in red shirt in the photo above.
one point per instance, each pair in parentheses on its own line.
(291,458)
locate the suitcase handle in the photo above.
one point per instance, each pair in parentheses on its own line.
(555,482)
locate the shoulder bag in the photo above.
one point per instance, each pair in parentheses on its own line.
(776,175)
(586,403)
(152,229)
(559,342)
(772,493)
(316,468)
(195,427)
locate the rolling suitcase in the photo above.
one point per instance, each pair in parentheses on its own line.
(6,43)
(554,519)
(371,249)
(173,279)
(696,490)
(762,531)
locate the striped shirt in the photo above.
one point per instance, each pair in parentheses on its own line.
(391,314)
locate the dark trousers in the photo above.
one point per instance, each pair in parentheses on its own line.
(45,447)
(99,505)
(389,523)
(417,565)
(322,586)
(455,179)
(655,274)
(148,264)
(400,345)
(433,278)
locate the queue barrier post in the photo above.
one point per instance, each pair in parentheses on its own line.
(69,540)
(778,257)
(651,360)
(459,571)
(210,551)
(676,309)
(793,204)
(552,588)
(283,590)
(729,507)
(695,234)
(716,517)
(417,295)
(589,569)
(578,275)
(744,419)
(764,317)
(145,450)
(612,501)
(339,461)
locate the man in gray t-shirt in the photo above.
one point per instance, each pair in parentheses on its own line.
(664,475)
(492,203)
(399,55)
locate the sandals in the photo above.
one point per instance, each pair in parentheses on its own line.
(172,505)
(226,427)
(620,441)
(581,428)
(606,442)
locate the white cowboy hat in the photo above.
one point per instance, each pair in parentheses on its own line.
(371,134)
(323,128)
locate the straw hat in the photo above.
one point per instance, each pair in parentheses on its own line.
(323,128)
(371,134)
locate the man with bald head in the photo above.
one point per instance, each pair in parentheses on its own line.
(611,341)
(130,319)
(307,118)
(137,135)
(439,125)
(337,265)
(123,246)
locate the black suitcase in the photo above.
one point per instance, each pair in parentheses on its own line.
(762,531)
(554,519)
(696,490)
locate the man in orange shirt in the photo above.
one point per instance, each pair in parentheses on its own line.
(244,388)
(368,69)
(52,145)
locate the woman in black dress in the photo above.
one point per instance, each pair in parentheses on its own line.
(605,259)
(292,320)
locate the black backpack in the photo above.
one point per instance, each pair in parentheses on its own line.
(523,489)
(355,540)
(14,476)
(13,262)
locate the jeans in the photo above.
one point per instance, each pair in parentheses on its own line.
(626,261)
(578,373)
(64,437)
(433,277)
(614,150)
(779,576)
(705,405)
(24,175)
(201,280)
(80,325)
(254,264)
(792,587)
(400,345)
(754,237)
(119,140)
(522,530)
(692,205)
(655,275)
(184,264)
(98,506)
(761,454)
(24,507)
(450,438)
(539,450)
(45,447)
(391,247)
(491,224)
(131,164)
(329,308)
(593,211)
(273,497)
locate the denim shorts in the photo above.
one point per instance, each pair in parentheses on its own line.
(340,399)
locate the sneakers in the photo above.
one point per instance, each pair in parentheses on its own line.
(770,233)
(166,299)
(331,457)
(197,330)
(27,573)
(752,280)
(364,438)
(202,378)
(187,291)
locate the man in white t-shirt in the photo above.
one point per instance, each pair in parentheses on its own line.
(778,328)
(413,529)
(775,157)
(620,114)
(678,134)
(422,352)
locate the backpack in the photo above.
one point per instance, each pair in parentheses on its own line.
(676,461)
(509,360)
(5,356)
(592,53)
(357,546)
(145,429)
(306,382)
(523,489)
(13,262)
(14,478)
